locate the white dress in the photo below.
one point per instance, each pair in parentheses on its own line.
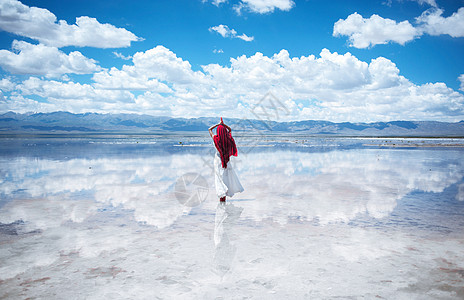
(225,180)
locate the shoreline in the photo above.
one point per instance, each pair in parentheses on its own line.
(237,134)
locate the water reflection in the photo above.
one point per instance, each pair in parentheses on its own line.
(224,253)
(325,187)
(93,220)
(338,186)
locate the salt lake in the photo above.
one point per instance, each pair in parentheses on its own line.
(136,217)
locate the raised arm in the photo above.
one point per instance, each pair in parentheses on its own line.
(214,126)
(228,128)
(222,123)
(211,129)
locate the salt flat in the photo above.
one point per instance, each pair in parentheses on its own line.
(320,218)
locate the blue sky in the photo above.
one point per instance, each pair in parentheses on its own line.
(356,61)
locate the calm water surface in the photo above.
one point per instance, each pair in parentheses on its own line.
(103,217)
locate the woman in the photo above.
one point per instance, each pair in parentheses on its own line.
(225,179)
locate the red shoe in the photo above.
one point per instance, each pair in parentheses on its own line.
(223,199)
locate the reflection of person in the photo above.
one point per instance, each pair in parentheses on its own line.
(225,178)
(224,253)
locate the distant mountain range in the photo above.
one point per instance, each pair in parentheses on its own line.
(65,122)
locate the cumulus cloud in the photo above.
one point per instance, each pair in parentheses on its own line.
(44,60)
(163,64)
(225,31)
(376,30)
(6,85)
(432,22)
(55,89)
(364,33)
(42,25)
(264,6)
(115,79)
(68,96)
(335,87)
(22,104)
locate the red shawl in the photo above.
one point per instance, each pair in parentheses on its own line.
(225,144)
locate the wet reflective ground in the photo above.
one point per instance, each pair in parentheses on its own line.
(104,217)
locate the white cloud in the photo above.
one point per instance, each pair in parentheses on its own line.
(121,56)
(245,37)
(364,33)
(461,79)
(69,96)
(164,65)
(225,31)
(6,85)
(55,89)
(218,51)
(257,6)
(383,74)
(44,60)
(42,25)
(432,22)
(215,2)
(20,104)
(432,3)
(376,30)
(264,6)
(115,79)
(335,87)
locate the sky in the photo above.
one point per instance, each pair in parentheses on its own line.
(340,60)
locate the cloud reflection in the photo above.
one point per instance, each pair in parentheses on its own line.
(328,187)
(339,185)
(54,208)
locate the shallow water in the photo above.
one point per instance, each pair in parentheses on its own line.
(111,217)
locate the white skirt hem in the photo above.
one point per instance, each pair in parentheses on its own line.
(226,180)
